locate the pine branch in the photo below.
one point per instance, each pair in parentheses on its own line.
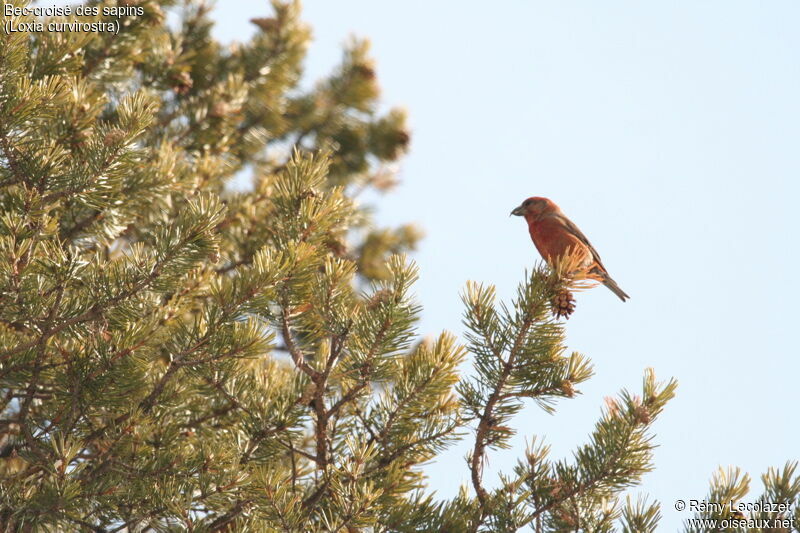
(485,422)
(294,351)
(94,313)
(13,160)
(37,368)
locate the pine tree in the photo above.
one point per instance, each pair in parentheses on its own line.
(177,354)
(774,510)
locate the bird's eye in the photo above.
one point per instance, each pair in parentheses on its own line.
(526,203)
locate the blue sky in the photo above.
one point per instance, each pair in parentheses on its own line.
(668,132)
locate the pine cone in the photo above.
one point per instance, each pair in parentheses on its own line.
(114,136)
(365,71)
(181,82)
(268,25)
(642,414)
(219,110)
(563,304)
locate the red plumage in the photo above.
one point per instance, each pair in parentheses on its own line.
(554,235)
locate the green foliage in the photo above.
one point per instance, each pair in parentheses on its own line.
(519,353)
(180,354)
(731,485)
(640,516)
(142,301)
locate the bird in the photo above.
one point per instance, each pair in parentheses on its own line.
(554,235)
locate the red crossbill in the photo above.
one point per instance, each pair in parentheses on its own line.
(554,235)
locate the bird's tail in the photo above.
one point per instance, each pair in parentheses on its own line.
(612,285)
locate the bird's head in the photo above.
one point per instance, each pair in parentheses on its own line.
(534,207)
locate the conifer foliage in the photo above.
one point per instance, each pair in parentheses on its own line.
(180,354)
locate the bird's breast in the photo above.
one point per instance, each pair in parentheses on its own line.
(552,239)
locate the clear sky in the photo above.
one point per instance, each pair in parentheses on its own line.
(668,131)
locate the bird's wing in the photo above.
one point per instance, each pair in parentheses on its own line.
(573,229)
